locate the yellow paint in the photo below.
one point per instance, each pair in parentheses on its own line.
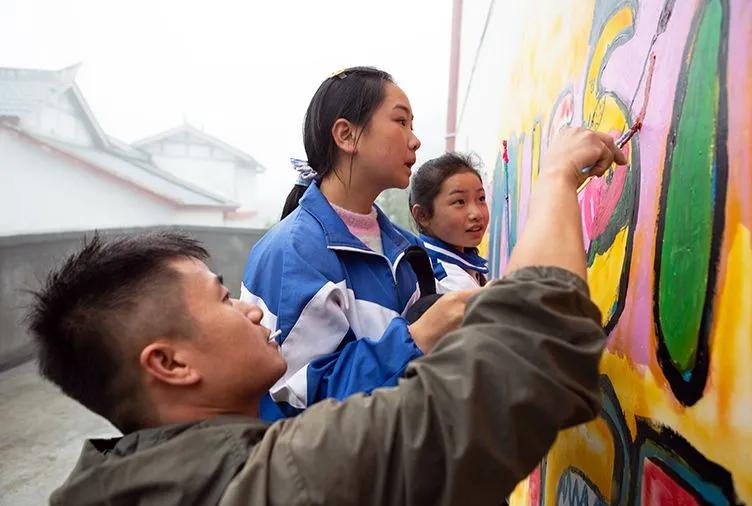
(605,273)
(550,58)
(603,110)
(589,448)
(536,147)
(483,246)
(521,494)
(731,358)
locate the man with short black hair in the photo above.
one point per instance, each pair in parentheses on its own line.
(100,309)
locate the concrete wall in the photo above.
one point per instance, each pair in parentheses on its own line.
(25,261)
(668,236)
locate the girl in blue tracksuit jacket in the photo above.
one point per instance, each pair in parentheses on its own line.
(448,204)
(332,276)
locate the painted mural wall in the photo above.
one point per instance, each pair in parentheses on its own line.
(668,237)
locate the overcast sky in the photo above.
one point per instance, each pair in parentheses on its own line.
(244,71)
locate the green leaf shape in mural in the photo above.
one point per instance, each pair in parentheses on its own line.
(689,190)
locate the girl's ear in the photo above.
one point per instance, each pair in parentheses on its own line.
(345,135)
(420,215)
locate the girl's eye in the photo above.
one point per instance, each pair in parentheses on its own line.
(460,202)
(226,298)
(403,122)
(482,198)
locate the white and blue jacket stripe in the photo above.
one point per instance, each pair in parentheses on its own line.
(450,266)
(338,303)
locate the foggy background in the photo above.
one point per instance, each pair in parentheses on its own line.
(242,72)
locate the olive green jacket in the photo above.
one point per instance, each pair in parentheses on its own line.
(466,423)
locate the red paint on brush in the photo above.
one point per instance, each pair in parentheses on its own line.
(505,154)
(630,133)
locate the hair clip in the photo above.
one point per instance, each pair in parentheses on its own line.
(340,73)
(305,173)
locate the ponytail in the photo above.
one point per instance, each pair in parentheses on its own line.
(292,200)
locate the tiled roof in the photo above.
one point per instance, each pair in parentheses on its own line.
(24,90)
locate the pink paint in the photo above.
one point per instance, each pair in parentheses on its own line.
(503,254)
(598,201)
(534,486)
(526,183)
(634,331)
(505,155)
(739,120)
(562,117)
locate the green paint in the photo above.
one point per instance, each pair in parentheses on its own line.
(688,226)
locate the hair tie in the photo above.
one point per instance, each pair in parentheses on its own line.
(305,173)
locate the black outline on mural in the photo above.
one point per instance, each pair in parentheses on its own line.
(682,450)
(593,488)
(689,392)
(620,478)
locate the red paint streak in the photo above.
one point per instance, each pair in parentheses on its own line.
(505,155)
(646,96)
(660,488)
(534,486)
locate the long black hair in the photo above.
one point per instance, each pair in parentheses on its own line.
(352,94)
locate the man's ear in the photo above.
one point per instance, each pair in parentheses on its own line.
(168,364)
(345,135)
(420,215)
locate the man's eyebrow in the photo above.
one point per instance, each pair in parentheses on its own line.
(220,279)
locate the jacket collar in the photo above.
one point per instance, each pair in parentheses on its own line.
(339,237)
(163,465)
(440,250)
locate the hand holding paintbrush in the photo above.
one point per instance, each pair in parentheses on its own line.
(637,125)
(620,142)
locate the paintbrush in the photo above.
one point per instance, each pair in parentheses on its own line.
(620,142)
(626,136)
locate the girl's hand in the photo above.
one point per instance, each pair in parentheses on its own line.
(575,148)
(444,316)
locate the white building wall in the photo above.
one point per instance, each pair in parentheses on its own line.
(43,191)
(59,119)
(245,186)
(216,176)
